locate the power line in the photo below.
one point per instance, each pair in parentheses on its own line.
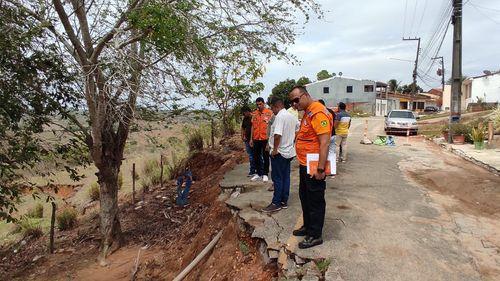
(404,18)
(413,18)
(483,7)
(422,17)
(484,14)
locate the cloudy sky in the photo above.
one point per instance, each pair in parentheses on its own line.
(359,38)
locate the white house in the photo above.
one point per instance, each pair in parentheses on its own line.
(355,93)
(485,87)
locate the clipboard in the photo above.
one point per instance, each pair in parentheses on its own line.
(313,160)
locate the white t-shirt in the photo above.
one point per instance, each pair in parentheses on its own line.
(285,125)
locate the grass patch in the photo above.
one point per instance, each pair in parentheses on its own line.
(66,219)
(30,227)
(244,248)
(94,192)
(323,265)
(36,212)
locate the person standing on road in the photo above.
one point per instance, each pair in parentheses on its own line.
(313,137)
(332,148)
(260,119)
(246,136)
(342,125)
(281,144)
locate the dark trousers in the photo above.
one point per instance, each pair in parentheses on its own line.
(312,199)
(249,151)
(280,174)
(259,152)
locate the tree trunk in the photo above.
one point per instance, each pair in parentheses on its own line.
(110,223)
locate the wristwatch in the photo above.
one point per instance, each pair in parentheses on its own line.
(320,170)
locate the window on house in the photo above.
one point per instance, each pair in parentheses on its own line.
(326,90)
(349,89)
(368,88)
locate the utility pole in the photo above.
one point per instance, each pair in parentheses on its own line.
(456,71)
(414,86)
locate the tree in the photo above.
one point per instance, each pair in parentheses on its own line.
(407,89)
(282,89)
(35,87)
(123,51)
(323,74)
(303,81)
(393,85)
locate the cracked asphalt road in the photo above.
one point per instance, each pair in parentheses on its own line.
(393,213)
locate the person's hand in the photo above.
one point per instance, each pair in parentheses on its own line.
(274,152)
(250,143)
(319,176)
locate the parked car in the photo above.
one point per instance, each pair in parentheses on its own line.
(431,109)
(401,121)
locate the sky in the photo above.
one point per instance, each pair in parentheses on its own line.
(361,39)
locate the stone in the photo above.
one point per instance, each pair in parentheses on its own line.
(299,260)
(23,242)
(273,254)
(138,207)
(37,257)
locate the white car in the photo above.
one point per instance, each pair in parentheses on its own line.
(401,121)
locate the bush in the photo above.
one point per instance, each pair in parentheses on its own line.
(66,219)
(94,191)
(150,166)
(36,212)
(30,227)
(195,141)
(495,117)
(120,180)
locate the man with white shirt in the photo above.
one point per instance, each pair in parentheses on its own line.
(281,144)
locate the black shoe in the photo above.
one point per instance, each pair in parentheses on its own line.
(271,208)
(309,242)
(284,205)
(300,232)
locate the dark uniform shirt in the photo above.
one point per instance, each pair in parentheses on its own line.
(247,126)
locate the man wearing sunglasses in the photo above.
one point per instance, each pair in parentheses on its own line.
(260,120)
(313,137)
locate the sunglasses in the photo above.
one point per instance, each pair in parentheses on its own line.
(297,100)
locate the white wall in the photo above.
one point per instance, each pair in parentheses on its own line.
(338,91)
(446,98)
(487,87)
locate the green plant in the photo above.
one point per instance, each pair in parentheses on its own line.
(36,212)
(30,227)
(244,248)
(460,129)
(150,166)
(195,141)
(94,191)
(66,219)
(478,134)
(495,117)
(323,265)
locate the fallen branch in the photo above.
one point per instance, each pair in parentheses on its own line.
(136,267)
(198,258)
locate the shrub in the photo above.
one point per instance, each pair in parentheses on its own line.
(66,219)
(36,212)
(120,180)
(495,117)
(195,141)
(94,191)
(30,227)
(150,166)
(478,134)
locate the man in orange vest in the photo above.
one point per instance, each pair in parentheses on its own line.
(260,119)
(313,138)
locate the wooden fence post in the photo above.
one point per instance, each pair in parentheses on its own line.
(212,128)
(490,132)
(133,183)
(52,225)
(161,171)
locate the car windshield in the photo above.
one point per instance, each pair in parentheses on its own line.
(401,114)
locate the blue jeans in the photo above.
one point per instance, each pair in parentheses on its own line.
(182,194)
(280,175)
(249,151)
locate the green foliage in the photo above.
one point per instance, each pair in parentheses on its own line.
(407,89)
(244,248)
(34,87)
(94,191)
(323,265)
(66,219)
(478,134)
(324,74)
(120,180)
(495,117)
(393,85)
(30,227)
(36,212)
(152,173)
(282,89)
(303,81)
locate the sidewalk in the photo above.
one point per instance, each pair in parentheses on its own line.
(486,158)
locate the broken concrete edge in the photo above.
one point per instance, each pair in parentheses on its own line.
(296,267)
(463,155)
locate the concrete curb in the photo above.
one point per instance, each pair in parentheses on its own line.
(463,155)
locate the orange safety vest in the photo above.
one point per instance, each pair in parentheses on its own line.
(260,120)
(316,121)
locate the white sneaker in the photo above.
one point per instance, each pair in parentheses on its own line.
(265,178)
(255,178)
